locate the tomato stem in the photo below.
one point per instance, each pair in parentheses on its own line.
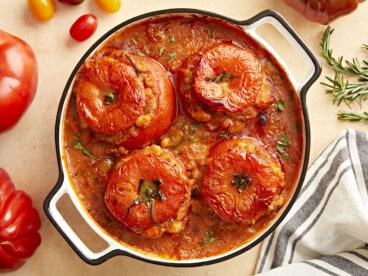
(241,181)
(221,77)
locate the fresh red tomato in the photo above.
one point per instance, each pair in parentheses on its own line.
(18,79)
(83,27)
(71,2)
(42,10)
(19,225)
(323,11)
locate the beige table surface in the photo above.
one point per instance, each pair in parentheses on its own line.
(27,151)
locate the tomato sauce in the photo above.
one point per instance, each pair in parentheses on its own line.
(268,129)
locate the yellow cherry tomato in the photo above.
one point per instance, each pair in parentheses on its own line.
(109,5)
(43,10)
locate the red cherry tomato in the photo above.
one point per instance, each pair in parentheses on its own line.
(83,27)
(71,2)
(18,79)
(19,225)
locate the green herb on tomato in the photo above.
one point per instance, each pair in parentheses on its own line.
(134,40)
(280,105)
(161,51)
(221,77)
(224,134)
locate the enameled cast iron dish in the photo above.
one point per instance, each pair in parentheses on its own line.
(64,186)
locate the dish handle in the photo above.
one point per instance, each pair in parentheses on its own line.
(60,223)
(274,19)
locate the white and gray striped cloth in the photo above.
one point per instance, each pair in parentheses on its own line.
(326,231)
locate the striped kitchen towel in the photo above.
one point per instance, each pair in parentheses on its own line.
(326,230)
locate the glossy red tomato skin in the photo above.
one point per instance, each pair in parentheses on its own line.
(19,225)
(84,27)
(18,79)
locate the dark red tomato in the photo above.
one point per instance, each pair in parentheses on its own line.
(71,2)
(19,225)
(18,79)
(83,27)
(323,11)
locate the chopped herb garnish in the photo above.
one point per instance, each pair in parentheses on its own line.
(78,145)
(134,40)
(141,54)
(172,39)
(281,145)
(221,77)
(189,131)
(162,50)
(280,105)
(224,134)
(172,55)
(209,237)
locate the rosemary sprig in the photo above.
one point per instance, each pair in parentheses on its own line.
(353,117)
(350,82)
